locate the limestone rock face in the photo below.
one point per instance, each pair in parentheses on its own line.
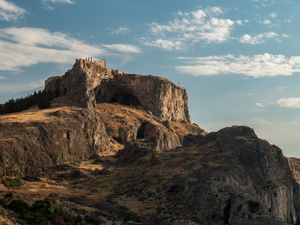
(157,95)
(32,142)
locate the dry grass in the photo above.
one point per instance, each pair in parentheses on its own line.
(47,185)
(116,114)
(13,125)
(32,115)
(90,166)
(134,205)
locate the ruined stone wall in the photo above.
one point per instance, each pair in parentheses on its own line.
(154,94)
(101,63)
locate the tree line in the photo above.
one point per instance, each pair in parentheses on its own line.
(40,98)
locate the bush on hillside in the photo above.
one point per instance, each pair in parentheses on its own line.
(41,99)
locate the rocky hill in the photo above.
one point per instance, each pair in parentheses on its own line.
(117,148)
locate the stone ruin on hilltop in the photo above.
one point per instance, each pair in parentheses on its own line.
(90,82)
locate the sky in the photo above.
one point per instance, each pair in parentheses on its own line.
(238,60)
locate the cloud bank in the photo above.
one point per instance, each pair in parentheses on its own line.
(201,25)
(26,46)
(10,11)
(263,65)
(50,3)
(261,38)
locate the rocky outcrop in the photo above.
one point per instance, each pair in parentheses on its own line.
(130,124)
(76,86)
(83,130)
(228,177)
(86,79)
(32,142)
(157,95)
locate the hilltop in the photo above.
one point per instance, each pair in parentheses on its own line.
(118,148)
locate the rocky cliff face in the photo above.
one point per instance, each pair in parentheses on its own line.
(32,142)
(76,86)
(154,94)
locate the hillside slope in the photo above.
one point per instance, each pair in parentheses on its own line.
(102,155)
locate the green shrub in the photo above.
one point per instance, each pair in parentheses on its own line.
(12,182)
(41,99)
(18,206)
(44,102)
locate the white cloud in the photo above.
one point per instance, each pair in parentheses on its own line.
(265,65)
(10,11)
(123,48)
(49,3)
(259,105)
(269,20)
(273,15)
(26,46)
(165,44)
(120,30)
(60,1)
(261,38)
(289,102)
(266,22)
(202,25)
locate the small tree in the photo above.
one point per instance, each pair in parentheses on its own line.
(44,102)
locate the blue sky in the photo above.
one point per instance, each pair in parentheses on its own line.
(239,60)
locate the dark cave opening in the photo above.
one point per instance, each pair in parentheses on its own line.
(125,98)
(141,131)
(226,214)
(254,207)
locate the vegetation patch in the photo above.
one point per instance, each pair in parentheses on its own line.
(41,99)
(12,182)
